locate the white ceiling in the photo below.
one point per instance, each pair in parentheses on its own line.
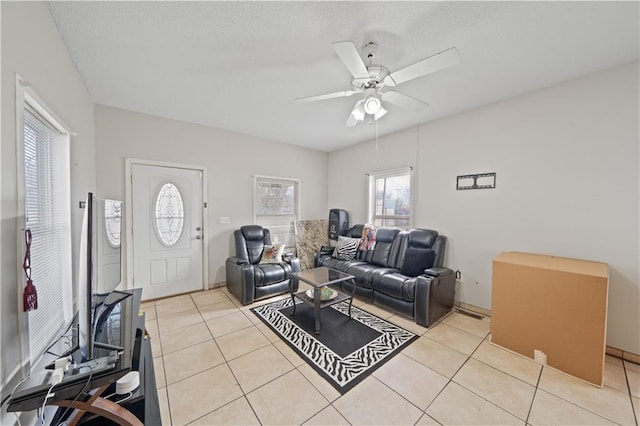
(239,65)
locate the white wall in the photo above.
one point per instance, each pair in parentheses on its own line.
(567,164)
(231,160)
(33,48)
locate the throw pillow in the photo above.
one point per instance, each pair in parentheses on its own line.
(368,240)
(272,253)
(346,248)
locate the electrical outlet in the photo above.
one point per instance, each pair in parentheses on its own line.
(459,280)
(224,219)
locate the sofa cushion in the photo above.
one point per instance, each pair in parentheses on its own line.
(422,237)
(346,248)
(384,241)
(251,240)
(355,231)
(340,265)
(416,260)
(363,273)
(270,273)
(396,285)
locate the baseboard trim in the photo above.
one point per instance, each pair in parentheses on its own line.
(474,309)
(627,356)
(610,350)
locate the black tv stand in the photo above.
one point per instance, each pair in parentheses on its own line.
(82,394)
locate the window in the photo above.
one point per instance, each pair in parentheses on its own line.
(276,207)
(390,198)
(47,213)
(169,214)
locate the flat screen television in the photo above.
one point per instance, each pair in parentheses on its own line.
(99,273)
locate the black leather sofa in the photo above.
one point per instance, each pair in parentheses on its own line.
(403,272)
(247,278)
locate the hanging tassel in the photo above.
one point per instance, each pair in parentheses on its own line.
(30,295)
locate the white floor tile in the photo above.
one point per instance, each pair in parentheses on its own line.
(248,375)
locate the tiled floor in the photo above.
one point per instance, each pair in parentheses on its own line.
(216,363)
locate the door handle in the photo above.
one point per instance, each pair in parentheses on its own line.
(198,237)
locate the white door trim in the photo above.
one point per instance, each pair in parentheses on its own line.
(128,215)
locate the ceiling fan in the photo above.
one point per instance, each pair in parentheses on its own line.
(370,79)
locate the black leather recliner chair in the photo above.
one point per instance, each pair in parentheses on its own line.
(250,280)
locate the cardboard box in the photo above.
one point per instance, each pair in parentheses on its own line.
(554,305)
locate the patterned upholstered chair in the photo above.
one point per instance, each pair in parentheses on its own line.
(250,275)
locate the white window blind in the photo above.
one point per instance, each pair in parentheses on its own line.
(390,198)
(48,216)
(276,208)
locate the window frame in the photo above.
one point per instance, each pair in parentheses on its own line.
(371,195)
(297,202)
(26,95)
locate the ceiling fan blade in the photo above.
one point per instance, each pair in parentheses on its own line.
(403,101)
(347,51)
(439,61)
(340,94)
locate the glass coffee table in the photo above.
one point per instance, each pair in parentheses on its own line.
(326,290)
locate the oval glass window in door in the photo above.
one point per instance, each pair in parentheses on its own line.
(113,221)
(169,214)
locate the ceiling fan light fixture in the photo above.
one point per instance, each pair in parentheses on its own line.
(381,112)
(372,105)
(358,111)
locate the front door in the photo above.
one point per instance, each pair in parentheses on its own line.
(167,230)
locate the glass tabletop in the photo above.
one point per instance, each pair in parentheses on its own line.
(318,277)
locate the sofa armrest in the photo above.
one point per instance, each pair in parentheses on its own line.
(238,260)
(324,251)
(293,261)
(434,295)
(240,279)
(438,271)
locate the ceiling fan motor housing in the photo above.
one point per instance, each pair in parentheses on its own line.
(377,74)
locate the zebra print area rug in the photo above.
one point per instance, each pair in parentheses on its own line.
(346,351)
